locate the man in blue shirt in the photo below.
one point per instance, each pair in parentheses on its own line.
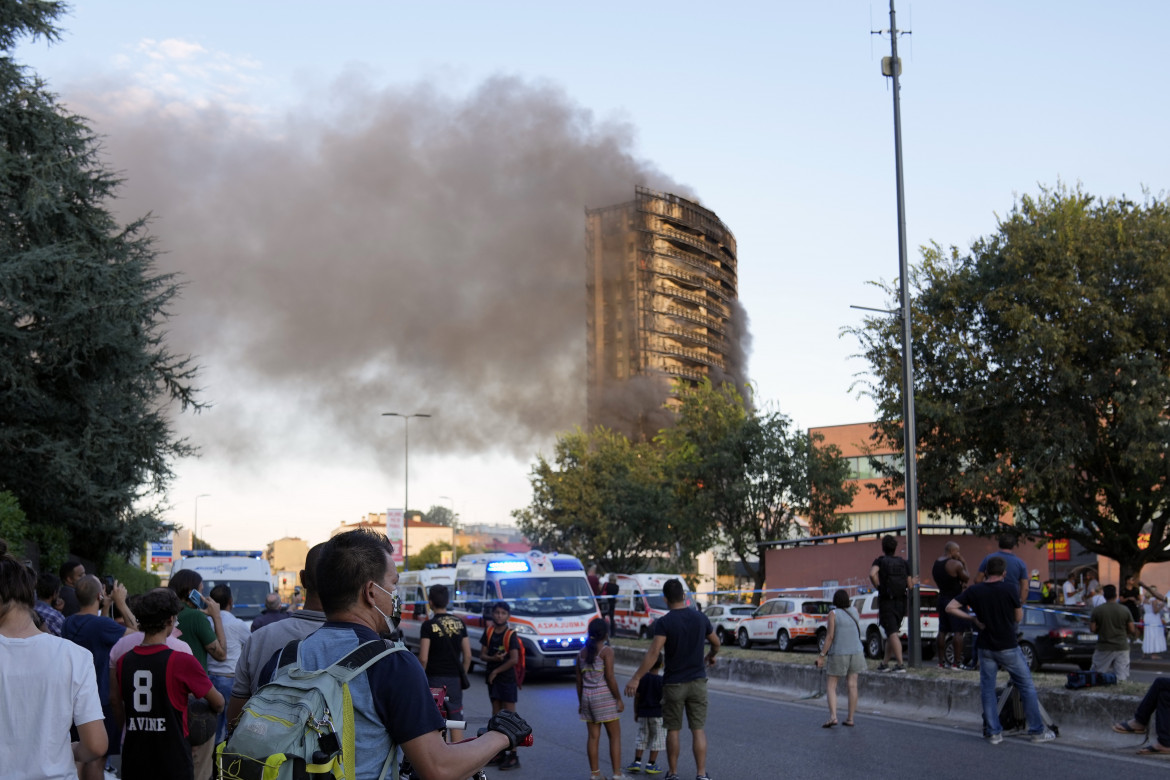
(1016,572)
(682,632)
(357,580)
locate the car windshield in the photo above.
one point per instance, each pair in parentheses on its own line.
(816,607)
(928,600)
(548,596)
(247,595)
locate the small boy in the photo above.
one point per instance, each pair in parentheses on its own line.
(648,714)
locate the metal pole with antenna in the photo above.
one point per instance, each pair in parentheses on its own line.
(892,68)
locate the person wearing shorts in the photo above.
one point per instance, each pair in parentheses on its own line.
(845,656)
(598,700)
(445,654)
(682,632)
(890,574)
(500,674)
(951,576)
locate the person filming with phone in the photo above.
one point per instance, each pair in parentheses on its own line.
(202,629)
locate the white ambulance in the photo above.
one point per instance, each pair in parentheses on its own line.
(549,596)
(640,602)
(244,571)
(412,593)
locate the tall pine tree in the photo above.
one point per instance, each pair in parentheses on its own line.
(86,380)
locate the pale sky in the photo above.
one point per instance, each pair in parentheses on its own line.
(350,191)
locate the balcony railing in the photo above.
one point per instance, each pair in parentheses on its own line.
(695,298)
(713,323)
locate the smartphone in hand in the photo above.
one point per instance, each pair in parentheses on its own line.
(197,599)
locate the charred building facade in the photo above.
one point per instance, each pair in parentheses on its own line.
(662,306)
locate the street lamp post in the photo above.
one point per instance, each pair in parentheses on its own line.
(405,479)
(448,498)
(195,529)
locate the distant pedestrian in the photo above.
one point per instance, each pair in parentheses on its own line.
(610,591)
(844,653)
(1113,626)
(1050,593)
(272,612)
(998,612)
(48,591)
(1130,597)
(950,576)
(1153,629)
(890,574)
(70,572)
(594,580)
(445,654)
(599,702)
(1155,703)
(46,683)
(500,651)
(1016,572)
(682,632)
(648,714)
(223,673)
(1072,592)
(1035,588)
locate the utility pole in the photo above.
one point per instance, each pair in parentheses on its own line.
(892,68)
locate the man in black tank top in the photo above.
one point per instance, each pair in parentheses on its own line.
(149,695)
(951,577)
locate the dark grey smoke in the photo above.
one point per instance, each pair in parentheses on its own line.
(380,250)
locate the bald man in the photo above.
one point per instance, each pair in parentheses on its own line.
(951,576)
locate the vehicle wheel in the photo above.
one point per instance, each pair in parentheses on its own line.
(873,643)
(743,641)
(1030,656)
(822,634)
(782,641)
(726,637)
(949,652)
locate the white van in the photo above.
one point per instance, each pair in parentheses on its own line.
(412,592)
(640,602)
(244,571)
(549,595)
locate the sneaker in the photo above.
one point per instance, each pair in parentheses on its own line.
(672,776)
(883,667)
(652,769)
(967,668)
(702,777)
(945,666)
(511,762)
(995,739)
(1044,736)
(634,767)
(899,669)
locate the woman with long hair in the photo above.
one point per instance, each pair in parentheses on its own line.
(54,681)
(598,700)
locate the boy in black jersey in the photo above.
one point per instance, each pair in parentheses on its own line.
(149,695)
(501,676)
(445,653)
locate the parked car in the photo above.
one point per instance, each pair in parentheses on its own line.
(873,639)
(785,621)
(725,619)
(1047,636)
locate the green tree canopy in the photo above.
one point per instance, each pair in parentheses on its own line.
(86,380)
(1043,374)
(440,515)
(601,499)
(433,553)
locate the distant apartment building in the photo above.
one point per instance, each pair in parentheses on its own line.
(662,305)
(418,533)
(287,554)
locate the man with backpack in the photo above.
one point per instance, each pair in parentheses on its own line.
(364,681)
(502,652)
(891,576)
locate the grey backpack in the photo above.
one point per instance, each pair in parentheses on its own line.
(300,725)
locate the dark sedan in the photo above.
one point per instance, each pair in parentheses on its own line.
(1048,635)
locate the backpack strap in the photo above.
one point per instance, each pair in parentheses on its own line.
(288,656)
(353,664)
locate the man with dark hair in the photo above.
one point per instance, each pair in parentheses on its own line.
(998,611)
(264,642)
(1016,572)
(149,697)
(891,576)
(681,632)
(48,588)
(223,673)
(93,628)
(1113,625)
(70,573)
(500,652)
(273,612)
(357,580)
(444,651)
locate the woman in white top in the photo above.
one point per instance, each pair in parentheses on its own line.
(1153,632)
(53,681)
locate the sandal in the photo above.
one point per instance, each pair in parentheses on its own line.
(848,723)
(828,724)
(1124,728)
(1154,750)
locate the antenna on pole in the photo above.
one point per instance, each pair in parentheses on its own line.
(892,69)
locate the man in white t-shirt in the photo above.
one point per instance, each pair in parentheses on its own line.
(237,633)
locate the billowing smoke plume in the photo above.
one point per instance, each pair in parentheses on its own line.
(378,250)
